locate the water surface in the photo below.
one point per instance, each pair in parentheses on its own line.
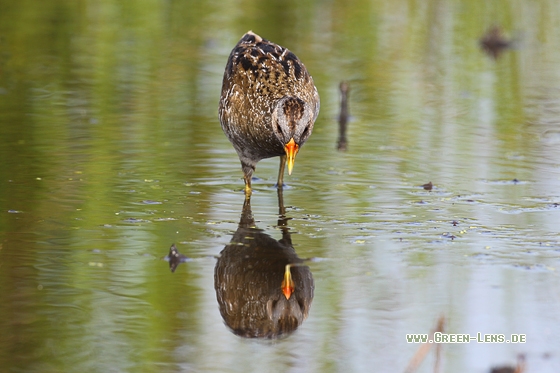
(111,151)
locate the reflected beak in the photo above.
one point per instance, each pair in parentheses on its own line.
(288,286)
(291,149)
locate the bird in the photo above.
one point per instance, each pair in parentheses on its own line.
(268,104)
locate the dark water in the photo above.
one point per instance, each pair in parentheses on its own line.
(111,151)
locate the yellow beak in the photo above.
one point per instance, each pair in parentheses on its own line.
(291,149)
(288,285)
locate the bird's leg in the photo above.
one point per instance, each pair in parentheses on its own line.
(246,220)
(280,183)
(282,219)
(247,176)
(247,187)
(281,208)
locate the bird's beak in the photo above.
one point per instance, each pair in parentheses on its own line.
(291,149)
(287,283)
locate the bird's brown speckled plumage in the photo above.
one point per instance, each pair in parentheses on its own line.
(268,98)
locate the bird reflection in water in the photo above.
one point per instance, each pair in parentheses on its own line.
(264,290)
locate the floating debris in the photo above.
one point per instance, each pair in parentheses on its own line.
(150,202)
(175,258)
(135,220)
(449,235)
(424,348)
(520,368)
(494,42)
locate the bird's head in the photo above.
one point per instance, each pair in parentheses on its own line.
(292,123)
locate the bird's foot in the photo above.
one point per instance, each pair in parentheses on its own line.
(282,186)
(248,191)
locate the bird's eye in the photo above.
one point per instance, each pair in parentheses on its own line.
(305,131)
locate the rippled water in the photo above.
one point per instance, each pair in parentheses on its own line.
(111,151)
